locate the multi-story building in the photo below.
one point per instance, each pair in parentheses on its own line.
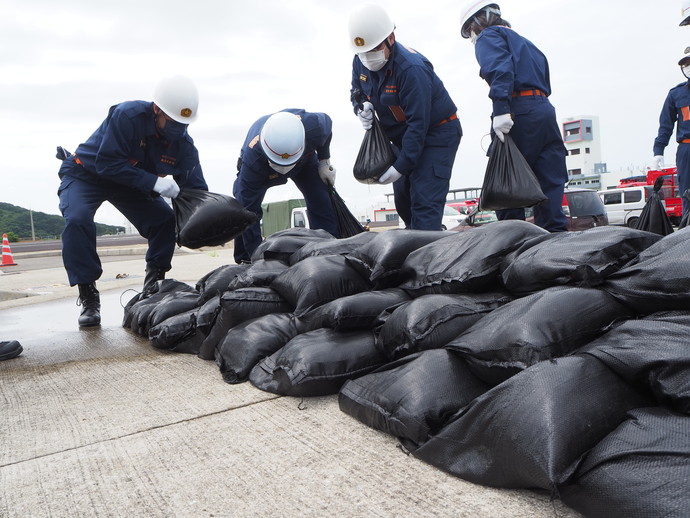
(583,144)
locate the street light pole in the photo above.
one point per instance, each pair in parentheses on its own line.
(31,217)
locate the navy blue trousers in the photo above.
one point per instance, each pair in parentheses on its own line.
(149,213)
(538,137)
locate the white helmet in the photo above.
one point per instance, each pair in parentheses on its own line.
(369,26)
(685,13)
(178,97)
(472,9)
(282,138)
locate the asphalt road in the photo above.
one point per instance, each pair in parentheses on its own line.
(56,244)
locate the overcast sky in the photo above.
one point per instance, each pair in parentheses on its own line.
(63,64)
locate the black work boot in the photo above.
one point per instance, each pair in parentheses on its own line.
(152,275)
(90,301)
(9,350)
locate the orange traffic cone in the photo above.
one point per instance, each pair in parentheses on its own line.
(6,252)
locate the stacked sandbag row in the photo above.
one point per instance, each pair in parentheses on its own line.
(478,349)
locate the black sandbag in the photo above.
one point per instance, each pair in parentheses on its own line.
(529,431)
(653,217)
(342,246)
(658,279)
(431,321)
(282,244)
(509,182)
(318,280)
(171,305)
(358,311)
(185,332)
(375,156)
(216,281)
(205,218)
(381,259)
(259,274)
(248,343)
(177,334)
(542,326)
(238,306)
(347,223)
(585,258)
(412,398)
(640,470)
(654,351)
(317,363)
(139,307)
(206,317)
(467,261)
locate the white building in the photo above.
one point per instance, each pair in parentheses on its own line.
(583,144)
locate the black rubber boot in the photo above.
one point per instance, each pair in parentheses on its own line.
(90,301)
(10,349)
(152,276)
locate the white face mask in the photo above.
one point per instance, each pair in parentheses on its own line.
(473,37)
(686,71)
(282,169)
(373,60)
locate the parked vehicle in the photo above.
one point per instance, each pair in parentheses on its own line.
(465,206)
(450,220)
(624,205)
(583,209)
(670,194)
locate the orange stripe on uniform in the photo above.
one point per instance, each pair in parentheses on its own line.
(685,110)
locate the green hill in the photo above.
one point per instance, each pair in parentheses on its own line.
(16,223)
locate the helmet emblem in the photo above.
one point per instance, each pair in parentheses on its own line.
(285,156)
(359,42)
(186,112)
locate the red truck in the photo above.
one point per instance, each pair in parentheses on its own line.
(674,206)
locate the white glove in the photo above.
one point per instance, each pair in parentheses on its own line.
(390,176)
(658,162)
(326,172)
(502,125)
(366,115)
(166,187)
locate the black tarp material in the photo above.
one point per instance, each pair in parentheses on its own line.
(685,218)
(412,398)
(529,431)
(658,279)
(585,258)
(358,311)
(375,156)
(542,326)
(509,182)
(205,218)
(317,280)
(466,261)
(282,244)
(640,470)
(431,321)
(347,223)
(317,363)
(654,351)
(216,281)
(259,274)
(653,217)
(248,343)
(381,259)
(138,309)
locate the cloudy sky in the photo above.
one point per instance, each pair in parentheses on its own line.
(63,64)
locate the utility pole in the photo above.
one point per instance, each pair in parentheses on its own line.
(31,217)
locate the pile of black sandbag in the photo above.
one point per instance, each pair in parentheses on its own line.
(503,354)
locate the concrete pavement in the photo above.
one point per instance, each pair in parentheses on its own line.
(96,422)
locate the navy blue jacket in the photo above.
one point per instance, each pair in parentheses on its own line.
(126,149)
(676,110)
(409,99)
(510,63)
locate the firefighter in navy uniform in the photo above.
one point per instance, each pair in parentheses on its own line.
(519,86)
(415,111)
(140,152)
(294,144)
(676,113)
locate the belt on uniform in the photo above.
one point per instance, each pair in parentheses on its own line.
(685,141)
(451,118)
(529,93)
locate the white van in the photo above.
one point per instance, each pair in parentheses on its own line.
(624,205)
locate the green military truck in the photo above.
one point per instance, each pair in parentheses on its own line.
(280,215)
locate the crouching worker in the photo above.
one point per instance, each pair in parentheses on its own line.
(140,153)
(291,144)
